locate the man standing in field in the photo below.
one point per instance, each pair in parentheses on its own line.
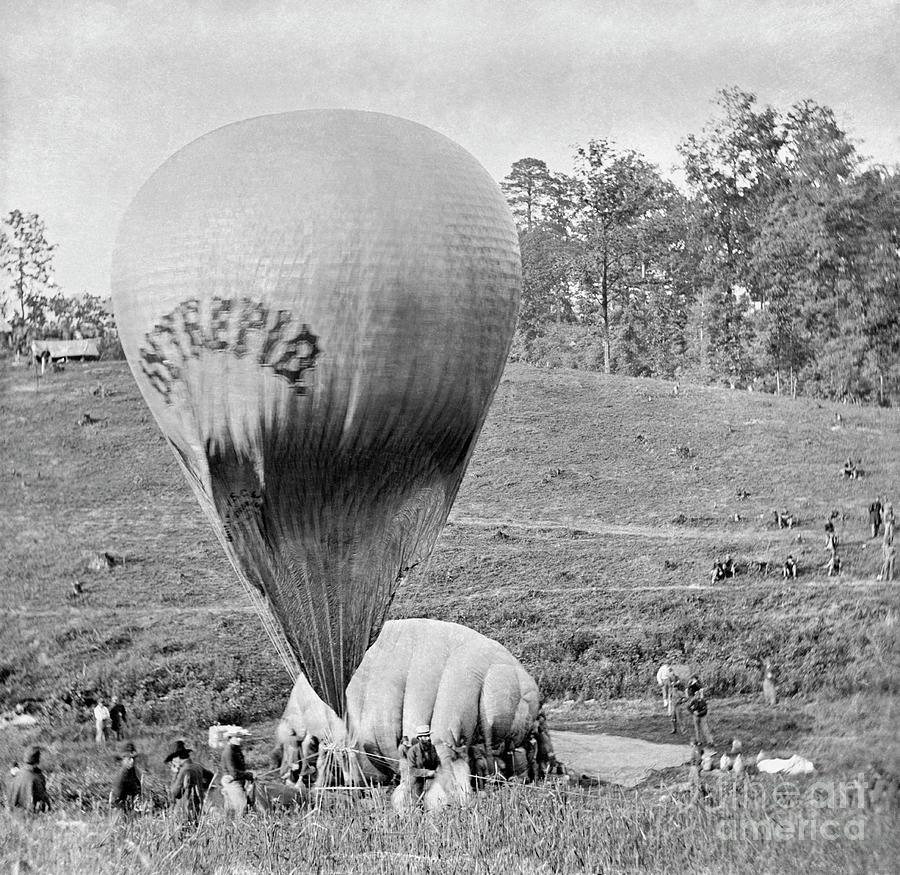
(676,699)
(117,718)
(234,764)
(101,722)
(699,709)
(875,517)
(423,762)
(888,557)
(127,787)
(190,783)
(29,788)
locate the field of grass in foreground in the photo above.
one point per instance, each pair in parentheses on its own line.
(518,830)
(581,539)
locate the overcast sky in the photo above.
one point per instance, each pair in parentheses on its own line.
(94,96)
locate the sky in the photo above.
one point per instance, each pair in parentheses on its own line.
(95,96)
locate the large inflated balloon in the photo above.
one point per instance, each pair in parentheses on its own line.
(467,687)
(317,307)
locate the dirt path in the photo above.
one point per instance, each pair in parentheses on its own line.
(137,613)
(615,758)
(592,527)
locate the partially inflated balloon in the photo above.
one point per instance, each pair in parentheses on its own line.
(317,307)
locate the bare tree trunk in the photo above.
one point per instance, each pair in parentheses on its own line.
(607,353)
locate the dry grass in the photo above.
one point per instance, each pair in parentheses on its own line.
(581,539)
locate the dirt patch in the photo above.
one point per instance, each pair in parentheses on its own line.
(616,759)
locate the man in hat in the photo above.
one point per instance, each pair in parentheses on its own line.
(126,788)
(190,783)
(423,761)
(699,709)
(29,788)
(234,764)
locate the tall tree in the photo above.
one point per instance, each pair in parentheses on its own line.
(27,257)
(618,193)
(733,171)
(526,191)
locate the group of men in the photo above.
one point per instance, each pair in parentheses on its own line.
(881,521)
(187,790)
(692,695)
(297,762)
(109,721)
(534,761)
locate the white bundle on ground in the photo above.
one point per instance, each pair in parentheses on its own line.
(220,733)
(795,765)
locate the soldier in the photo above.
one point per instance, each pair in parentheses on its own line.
(117,718)
(127,786)
(888,557)
(234,764)
(190,783)
(699,709)
(789,569)
(423,761)
(29,788)
(875,517)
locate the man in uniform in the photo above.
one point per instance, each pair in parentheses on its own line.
(190,783)
(699,709)
(29,788)
(117,718)
(423,761)
(234,764)
(875,517)
(127,786)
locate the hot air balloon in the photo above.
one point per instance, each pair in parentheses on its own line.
(465,686)
(317,307)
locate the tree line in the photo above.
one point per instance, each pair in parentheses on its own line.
(777,266)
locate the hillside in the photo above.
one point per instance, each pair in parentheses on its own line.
(581,539)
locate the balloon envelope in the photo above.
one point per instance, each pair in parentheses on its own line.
(317,307)
(468,688)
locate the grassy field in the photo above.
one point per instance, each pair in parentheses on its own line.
(581,539)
